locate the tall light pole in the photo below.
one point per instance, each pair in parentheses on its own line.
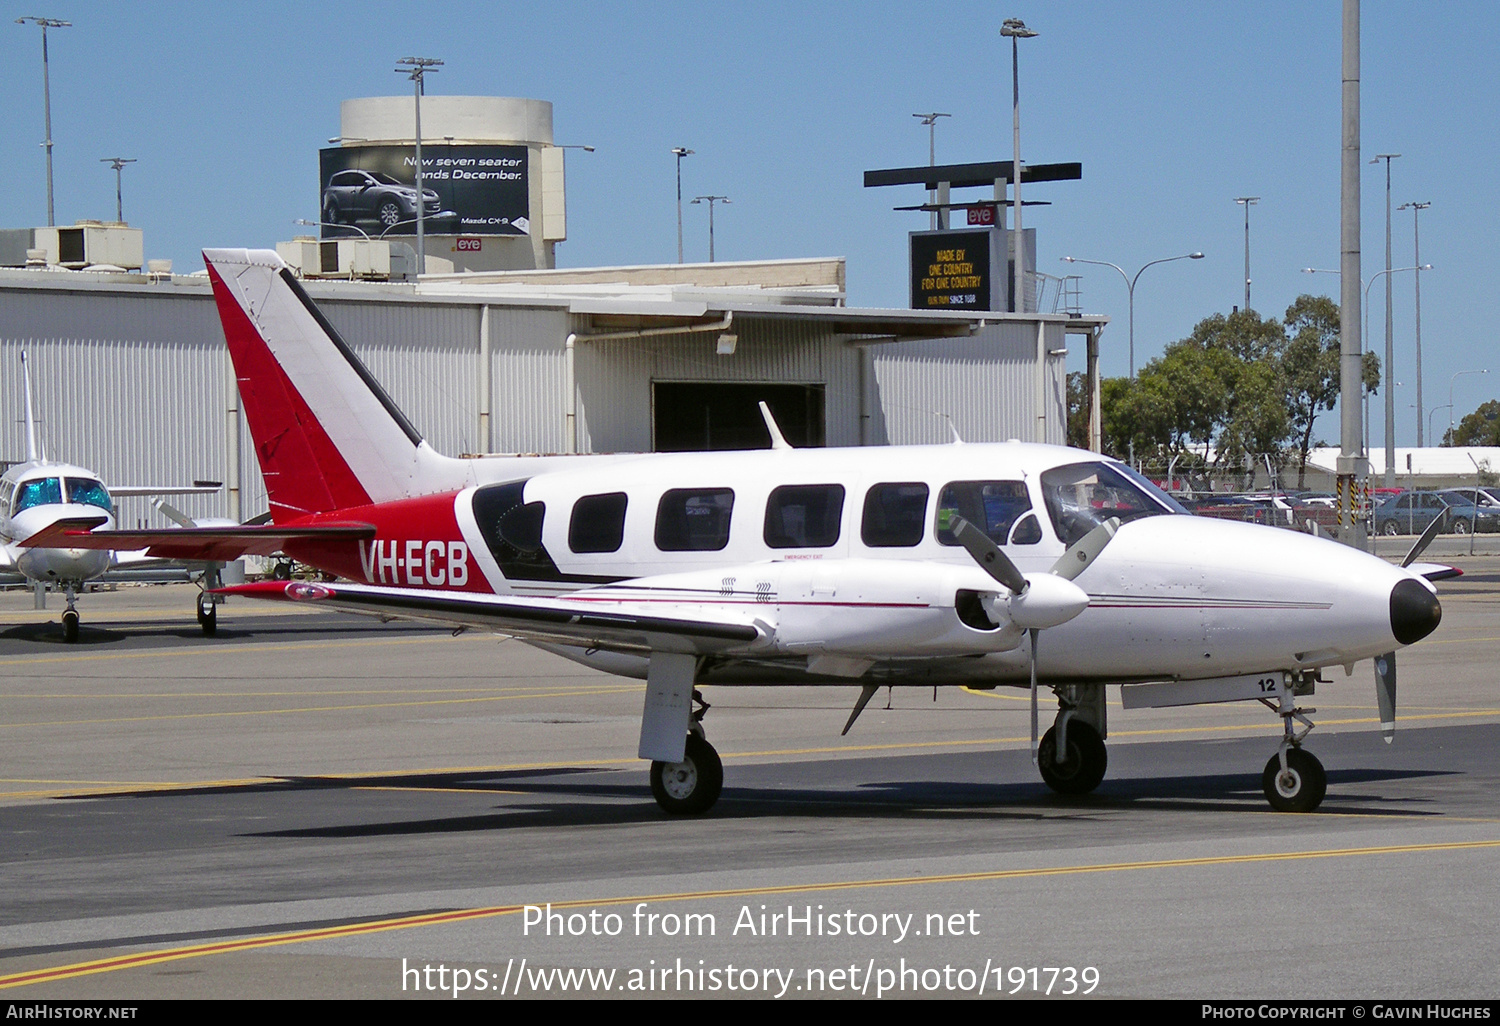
(1451,382)
(679,152)
(118,163)
(1353,465)
(416,69)
(1016,29)
(1416,210)
(1390,341)
(1247,202)
(930,120)
(46,23)
(1130,288)
(711,200)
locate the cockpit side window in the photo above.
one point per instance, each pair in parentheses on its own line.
(87,492)
(1080,496)
(41,491)
(991,506)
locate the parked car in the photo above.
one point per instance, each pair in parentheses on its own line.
(1412,512)
(356,195)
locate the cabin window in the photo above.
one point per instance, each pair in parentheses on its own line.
(694,519)
(895,515)
(41,491)
(991,506)
(598,523)
(804,516)
(88,493)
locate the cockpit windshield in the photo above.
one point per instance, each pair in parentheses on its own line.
(40,491)
(87,492)
(1080,496)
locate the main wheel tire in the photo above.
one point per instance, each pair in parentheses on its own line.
(70,626)
(208,615)
(689,787)
(1301,788)
(1083,765)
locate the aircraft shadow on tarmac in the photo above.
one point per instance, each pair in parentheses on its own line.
(582,803)
(50,632)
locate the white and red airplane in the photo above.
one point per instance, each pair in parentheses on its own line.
(37,494)
(1009,565)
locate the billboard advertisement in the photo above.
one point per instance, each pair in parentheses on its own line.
(955,270)
(468,190)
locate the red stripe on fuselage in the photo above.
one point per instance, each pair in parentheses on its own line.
(304,471)
(417,544)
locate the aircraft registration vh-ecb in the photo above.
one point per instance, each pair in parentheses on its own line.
(981,565)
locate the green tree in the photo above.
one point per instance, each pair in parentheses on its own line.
(1310,364)
(1482,427)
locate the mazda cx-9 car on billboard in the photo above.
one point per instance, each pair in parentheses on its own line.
(355,195)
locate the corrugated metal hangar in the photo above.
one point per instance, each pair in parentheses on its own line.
(133,379)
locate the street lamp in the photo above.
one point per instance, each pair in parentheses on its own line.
(1247,202)
(1130,287)
(1390,344)
(1416,209)
(930,120)
(1016,29)
(118,163)
(1451,382)
(711,200)
(330,224)
(46,23)
(679,152)
(416,69)
(1448,406)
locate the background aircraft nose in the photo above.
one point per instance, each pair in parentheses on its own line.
(1415,612)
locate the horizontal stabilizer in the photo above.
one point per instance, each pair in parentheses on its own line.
(219,544)
(1435,571)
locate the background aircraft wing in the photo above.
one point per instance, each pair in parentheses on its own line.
(616,627)
(219,544)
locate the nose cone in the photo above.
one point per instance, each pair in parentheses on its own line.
(1415,611)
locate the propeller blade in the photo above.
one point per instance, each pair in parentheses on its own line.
(987,554)
(1438,523)
(1385,693)
(1085,550)
(1034,635)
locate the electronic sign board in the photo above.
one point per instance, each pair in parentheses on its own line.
(955,270)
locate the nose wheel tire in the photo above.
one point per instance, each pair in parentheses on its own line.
(1300,788)
(689,787)
(70,626)
(208,615)
(1082,767)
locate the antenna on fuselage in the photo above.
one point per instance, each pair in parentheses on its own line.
(33,453)
(778,440)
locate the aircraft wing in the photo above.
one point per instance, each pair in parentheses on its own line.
(135,491)
(621,627)
(1435,571)
(218,544)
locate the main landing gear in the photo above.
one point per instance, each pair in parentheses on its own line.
(690,787)
(1071,756)
(1294,780)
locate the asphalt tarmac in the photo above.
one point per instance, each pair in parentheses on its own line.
(310,805)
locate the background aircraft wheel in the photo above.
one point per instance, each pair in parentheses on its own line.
(1080,771)
(1300,788)
(208,615)
(70,626)
(282,571)
(691,786)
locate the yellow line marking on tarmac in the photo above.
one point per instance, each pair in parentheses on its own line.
(158,956)
(622,689)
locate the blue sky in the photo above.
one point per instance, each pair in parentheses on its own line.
(1173,108)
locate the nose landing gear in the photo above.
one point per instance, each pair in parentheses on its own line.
(1294,780)
(70,618)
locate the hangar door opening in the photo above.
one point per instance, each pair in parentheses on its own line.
(696,416)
